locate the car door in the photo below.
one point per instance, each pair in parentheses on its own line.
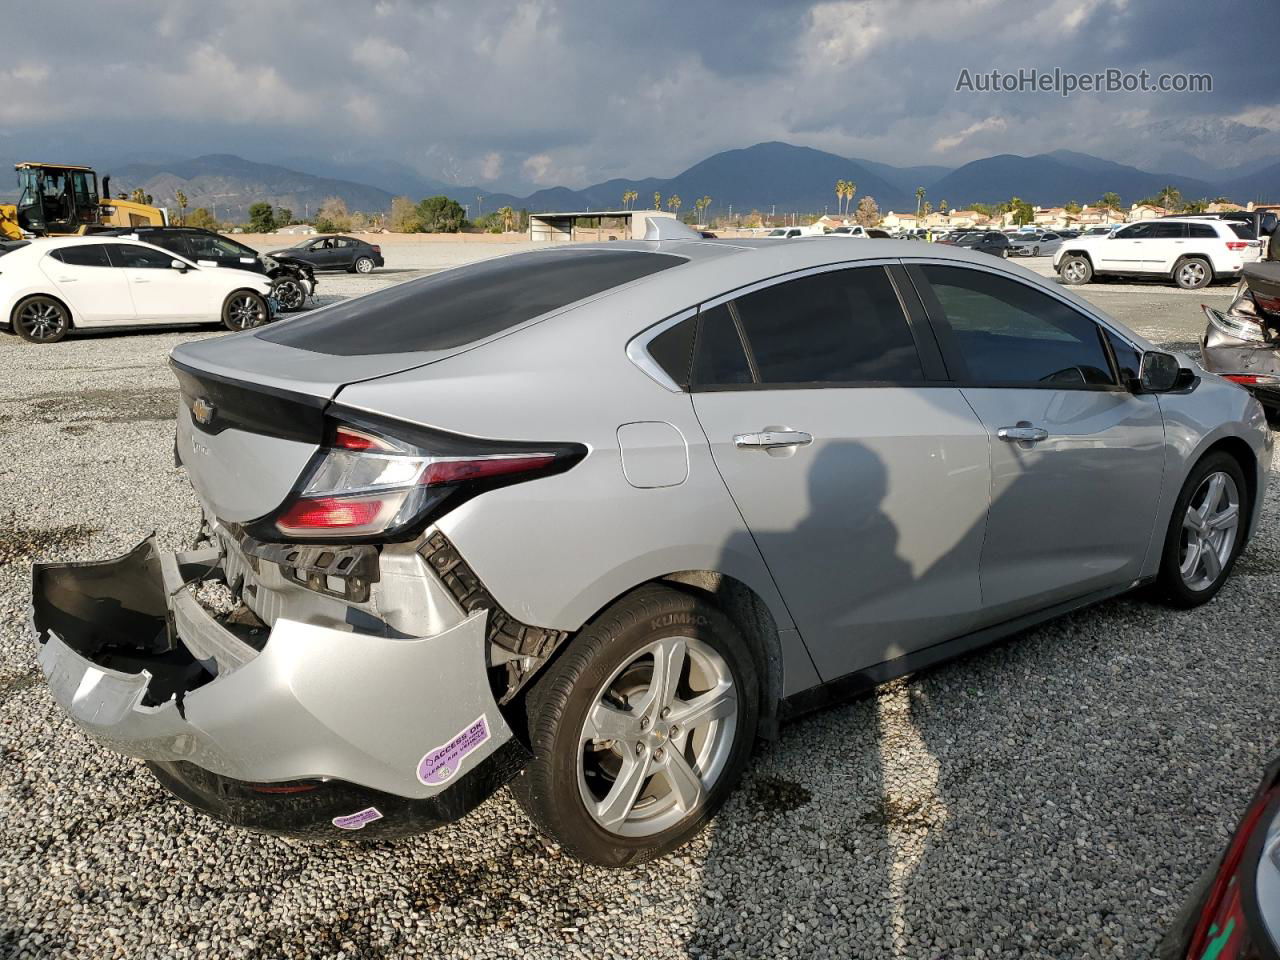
(344,252)
(160,293)
(862,477)
(91,286)
(1077,459)
(1162,247)
(1124,250)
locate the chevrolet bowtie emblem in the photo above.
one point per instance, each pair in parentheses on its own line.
(202,410)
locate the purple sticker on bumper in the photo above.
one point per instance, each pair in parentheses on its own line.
(440,764)
(357,820)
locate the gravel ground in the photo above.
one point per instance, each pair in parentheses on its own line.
(1054,796)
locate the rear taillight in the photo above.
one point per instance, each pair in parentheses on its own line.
(376,248)
(1234,921)
(1235,246)
(387,480)
(1249,379)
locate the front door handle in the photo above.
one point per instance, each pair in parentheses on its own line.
(1022,433)
(771,439)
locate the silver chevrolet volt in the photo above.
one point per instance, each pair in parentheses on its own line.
(590,520)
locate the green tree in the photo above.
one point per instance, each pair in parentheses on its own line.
(1110,201)
(943,206)
(919,199)
(1023,212)
(1072,207)
(200,217)
(333,216)
(262,218)
(181,199)
(441,214)
(509,219)
(1196,206)
(673,203)
(141,196)
(657,200)
(284,216)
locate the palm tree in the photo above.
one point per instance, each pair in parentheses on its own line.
(181,199)
(657,200)
(1170,197)
(850,188)
(1110,201)
(508,216)
(839,194)
(702,204)
(673,203)
(919,200)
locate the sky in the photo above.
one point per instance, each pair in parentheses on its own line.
(572,92)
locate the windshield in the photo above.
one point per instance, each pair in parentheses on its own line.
(777,233)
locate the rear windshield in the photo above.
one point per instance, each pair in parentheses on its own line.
(1242,230)
(466,304)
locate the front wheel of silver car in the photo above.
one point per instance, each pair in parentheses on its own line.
(1206,532)
(640,729)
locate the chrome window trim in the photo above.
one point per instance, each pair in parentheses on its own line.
(638,349)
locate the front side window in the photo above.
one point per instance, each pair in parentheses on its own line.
(1139,231)
(999,331)
(139,258)
(205,245)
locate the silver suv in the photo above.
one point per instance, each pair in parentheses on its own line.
(591,519)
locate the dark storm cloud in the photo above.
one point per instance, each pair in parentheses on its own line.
(571,91)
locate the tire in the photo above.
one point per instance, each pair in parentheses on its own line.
(1273,416)
(41,320)
(244,309)
(1193,273)
(362,265)
(614,656)
(1075,270)
(1186,582)
(290,293)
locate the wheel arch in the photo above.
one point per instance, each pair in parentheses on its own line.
(13,314)
(1243,454)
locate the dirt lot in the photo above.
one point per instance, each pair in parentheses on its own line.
(1052,797)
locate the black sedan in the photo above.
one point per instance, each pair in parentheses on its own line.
(337,253)
(986,241)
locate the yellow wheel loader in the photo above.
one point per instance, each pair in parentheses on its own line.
(63,200)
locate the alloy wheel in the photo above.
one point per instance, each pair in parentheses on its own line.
(364,265)
(246,310)
(40,320)
(1191,274)
(290,294)
(1074,271)
(1209,531)
(657,737)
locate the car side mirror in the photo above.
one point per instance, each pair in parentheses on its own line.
(178,265)
(1159,373)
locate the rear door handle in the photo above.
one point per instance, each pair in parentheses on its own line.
(1022,433)
(769,439)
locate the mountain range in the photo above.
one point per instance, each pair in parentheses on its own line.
(765,177)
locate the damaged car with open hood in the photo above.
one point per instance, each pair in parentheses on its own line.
(590,519)
(1242,343)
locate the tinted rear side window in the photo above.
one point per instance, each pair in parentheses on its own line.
(467,304)
(1201,230)
(672,350)
(83,255)
(842,326)
(1242,230)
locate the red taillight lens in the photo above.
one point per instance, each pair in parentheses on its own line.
(376,248)
(1223,930)
(455,471)
(1235,246)
(386,480)
(329,513)
(1248,379)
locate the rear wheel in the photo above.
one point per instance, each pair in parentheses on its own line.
(41,320)
(1075,270)
(1193,273)
(1206,532)
(244,309)
(364,265)
(640,729)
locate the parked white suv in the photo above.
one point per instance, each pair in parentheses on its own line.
(1191,251)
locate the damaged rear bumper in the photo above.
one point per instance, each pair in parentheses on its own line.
(299,729)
